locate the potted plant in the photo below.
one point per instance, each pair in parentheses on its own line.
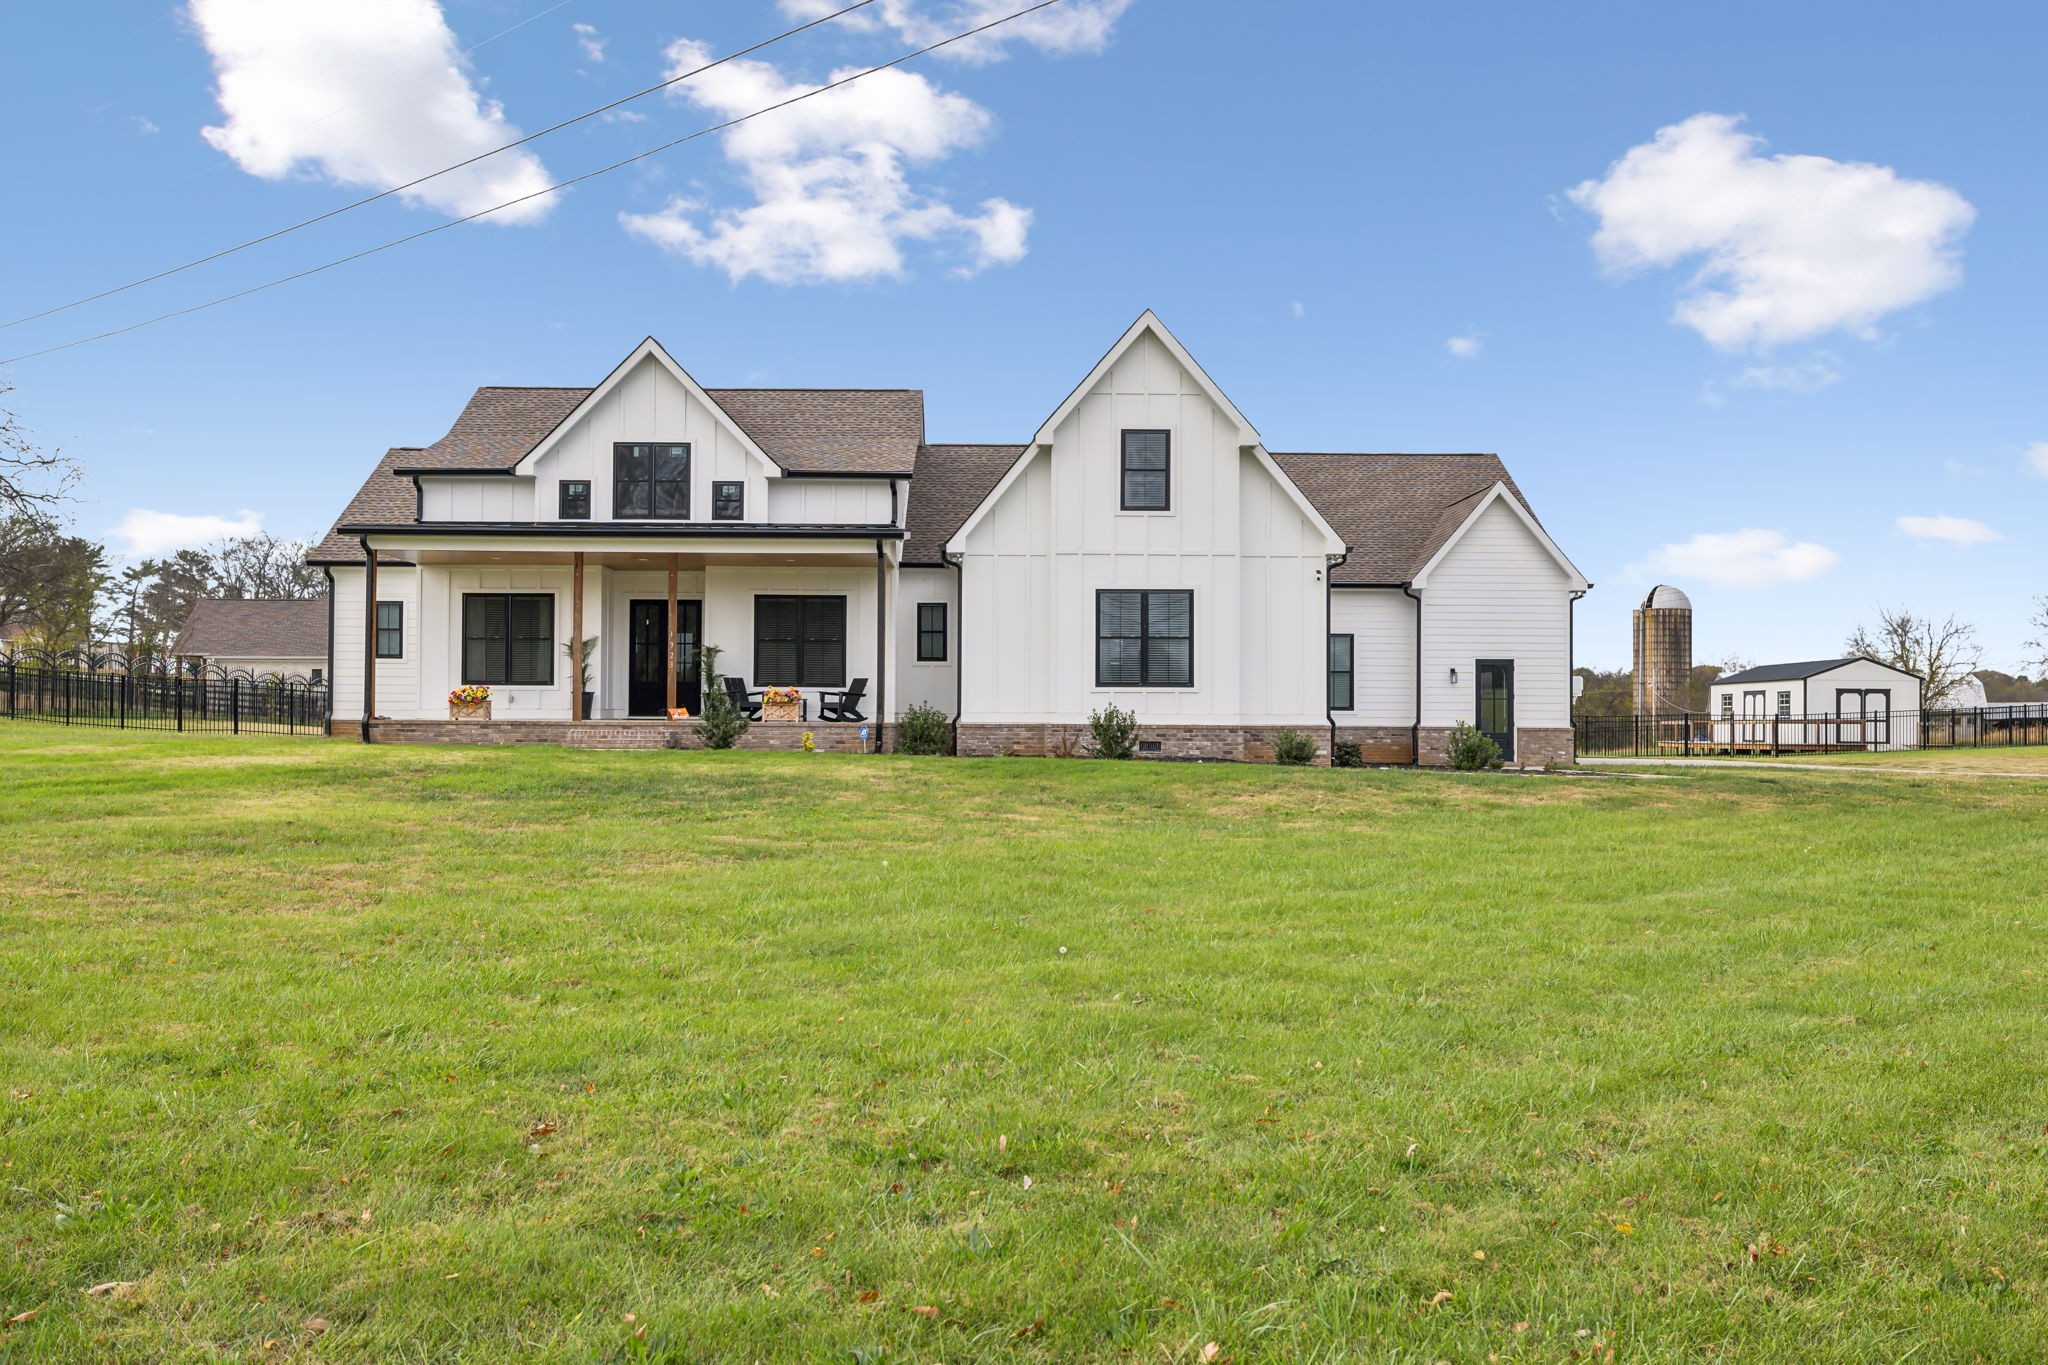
(583,670)
(781,704)
(470,703)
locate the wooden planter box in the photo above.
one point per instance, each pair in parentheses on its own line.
(472,710)
(788,712)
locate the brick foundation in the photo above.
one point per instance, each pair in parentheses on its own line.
(1213,743)
(1381,743)
(1533,748)
(607,734)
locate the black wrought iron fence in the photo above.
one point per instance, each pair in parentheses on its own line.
(150,692)
(1697,734)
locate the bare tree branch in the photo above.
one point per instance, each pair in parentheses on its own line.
(32,480)
(2039,644)
(1943,653)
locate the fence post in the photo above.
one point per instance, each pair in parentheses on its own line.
(1774,734)
(67,698)
(178,699)
(235,705)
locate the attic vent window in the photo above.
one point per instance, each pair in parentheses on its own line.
(1147,473)
(728,500)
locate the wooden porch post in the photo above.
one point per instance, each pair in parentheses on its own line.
(672,634)
(576,650)
(369,636)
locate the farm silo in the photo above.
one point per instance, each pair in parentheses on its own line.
(1663,633)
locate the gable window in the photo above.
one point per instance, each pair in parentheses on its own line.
(800,642)
(931,632)
(508,638)
(391,630)
(1147,473)
(651,481)
(575,500)
(1340,673)
(1784,703)
(728,500)
(1144,639)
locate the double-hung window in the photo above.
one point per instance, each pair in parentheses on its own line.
(1144,639)
(1147,473)
(508,638)
(391,630)
(799,641)
(1784,703)
(651,481)
(728,500)
(1340,673)
(931,632)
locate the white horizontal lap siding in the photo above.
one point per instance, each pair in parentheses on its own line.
(490,498)
(1058,536)
(828,502)
(398,680)
(928,683)
(648,404)
(1381,624)
(1497,595)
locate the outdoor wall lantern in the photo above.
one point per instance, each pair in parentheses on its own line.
(1454,675)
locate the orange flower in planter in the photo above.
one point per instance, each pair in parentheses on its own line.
(469,696)
(783,694)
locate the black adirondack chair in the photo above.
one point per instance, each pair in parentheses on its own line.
(746,703)
(843,705)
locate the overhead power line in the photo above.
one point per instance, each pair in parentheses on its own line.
(445,170)
(560,185)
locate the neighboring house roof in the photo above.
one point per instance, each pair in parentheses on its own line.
(951,482)
(872,432)
(1394,512)
(1809,669)
(255,628)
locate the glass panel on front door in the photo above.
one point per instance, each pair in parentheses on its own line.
(1496,686)
(646,685)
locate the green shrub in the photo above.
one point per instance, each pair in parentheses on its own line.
(1346,754)
(1112,733)
(1292,749)
(723,723)
(1471,751)
(924,730)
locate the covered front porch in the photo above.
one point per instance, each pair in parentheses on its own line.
(515,615)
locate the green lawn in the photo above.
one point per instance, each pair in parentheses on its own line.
(334,1053)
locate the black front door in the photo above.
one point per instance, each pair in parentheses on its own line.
(1496,719)
(646,688)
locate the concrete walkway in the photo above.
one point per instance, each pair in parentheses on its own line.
(1776,764)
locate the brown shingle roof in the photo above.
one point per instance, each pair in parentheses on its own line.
(384,498)
(255,628)
(951,482)
(1393,511)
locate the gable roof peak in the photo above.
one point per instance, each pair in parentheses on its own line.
(1149,322)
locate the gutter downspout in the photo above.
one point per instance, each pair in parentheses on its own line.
(1571,664)
(1331,563)
(959,643)
(881,639)
(327,721)
(1415,731)
(369,634)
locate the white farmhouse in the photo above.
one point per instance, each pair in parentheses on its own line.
(1142,549)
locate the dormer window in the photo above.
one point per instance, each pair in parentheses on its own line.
(728,500)
(575,505)
(1147,473)
(651,481)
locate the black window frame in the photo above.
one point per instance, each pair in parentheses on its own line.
(801,640)
(565,506)
(396,630)
(1349,672)
(927,651)
(480,676)
(1144,636)
(654,484)
(1165,471)
(737,511)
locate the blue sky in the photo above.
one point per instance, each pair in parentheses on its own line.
(1362,220)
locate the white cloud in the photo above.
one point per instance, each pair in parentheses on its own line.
(147,534)
(2037,459)
(588,39)
(833,201)
(1466,346)
(144,126)
(363,92)
(1790,246)
(1947,530)
(1805,376)
(1078,26)
(1739,559)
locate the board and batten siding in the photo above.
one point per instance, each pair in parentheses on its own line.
(1231,536)
(1381,624)
(486,498)
(1497,594)
(827,502)
(648,404)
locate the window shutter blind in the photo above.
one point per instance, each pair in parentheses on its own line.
(824,663)
(776,636)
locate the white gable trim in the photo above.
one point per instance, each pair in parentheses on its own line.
(1499,493)
(1148,321)
(650,348)
(956,544)
(1336,545)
